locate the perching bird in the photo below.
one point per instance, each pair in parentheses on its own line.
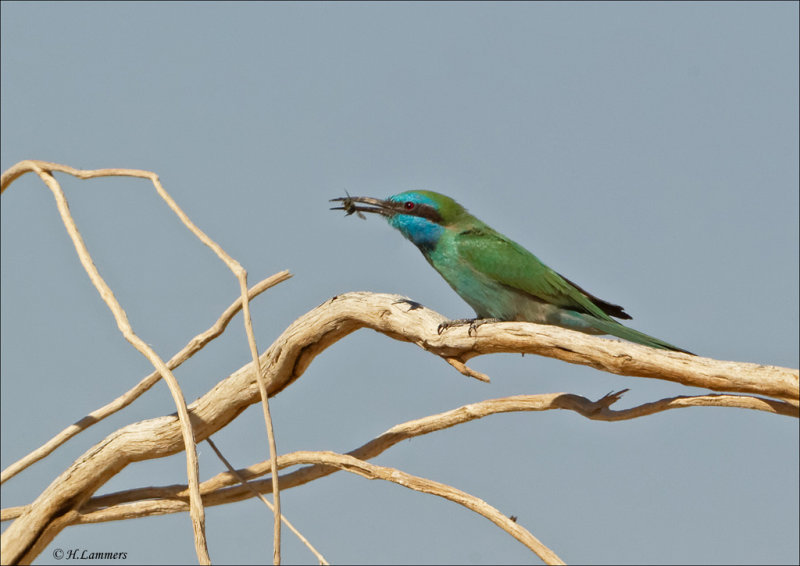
(500,279)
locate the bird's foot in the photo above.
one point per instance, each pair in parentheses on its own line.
(474,323)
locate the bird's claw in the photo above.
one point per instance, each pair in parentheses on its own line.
(474,323)
(450,323)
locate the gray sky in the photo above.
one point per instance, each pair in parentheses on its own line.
(647,151)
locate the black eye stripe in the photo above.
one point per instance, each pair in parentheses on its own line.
(419,209)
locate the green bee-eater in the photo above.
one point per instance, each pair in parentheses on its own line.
(500,279)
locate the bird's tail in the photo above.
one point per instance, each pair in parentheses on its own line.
(621,331)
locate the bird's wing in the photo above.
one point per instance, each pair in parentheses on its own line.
(508,263)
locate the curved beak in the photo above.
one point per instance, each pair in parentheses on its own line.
(378,206)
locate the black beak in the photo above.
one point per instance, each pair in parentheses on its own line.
(382,207)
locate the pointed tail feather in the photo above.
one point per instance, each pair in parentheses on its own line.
(620,331)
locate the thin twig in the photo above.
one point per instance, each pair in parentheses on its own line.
(192,347)
(374,472)
(14,549)
(239,272)
(244,482)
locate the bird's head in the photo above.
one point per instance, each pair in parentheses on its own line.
(421,216)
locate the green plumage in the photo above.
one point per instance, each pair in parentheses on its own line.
(499,278)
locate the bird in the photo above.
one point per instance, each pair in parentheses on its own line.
(497,277)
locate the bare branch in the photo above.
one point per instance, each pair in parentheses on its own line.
(333,462)
(371,471)
(195,345)
(12,550)
(289,356)
(44,170)
(223,488)
(251,489)
(61,503)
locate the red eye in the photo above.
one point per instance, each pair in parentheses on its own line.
(409,205)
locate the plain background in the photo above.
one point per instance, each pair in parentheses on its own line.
(647,151)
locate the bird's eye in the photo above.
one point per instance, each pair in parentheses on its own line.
(409,205)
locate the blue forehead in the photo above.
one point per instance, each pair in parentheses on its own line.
(413,196)
(421,231)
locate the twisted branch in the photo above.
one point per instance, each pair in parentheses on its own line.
(45,170)
(289,356)
(68,500)
(222,488)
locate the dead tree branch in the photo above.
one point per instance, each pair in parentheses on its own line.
(223,488)
(290,355)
